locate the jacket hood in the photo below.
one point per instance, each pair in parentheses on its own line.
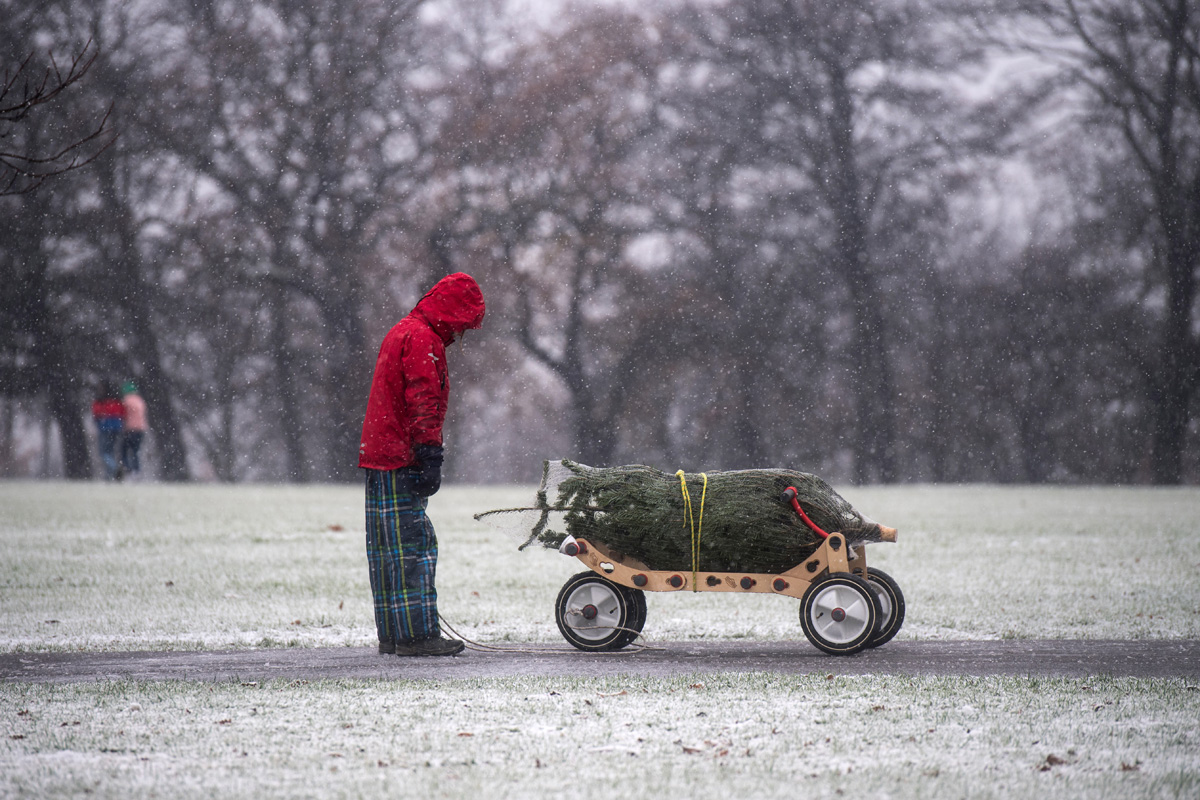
(453,305)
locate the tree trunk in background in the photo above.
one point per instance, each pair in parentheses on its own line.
(162,419)
(1176,380)
(65,408)
(291,425)
(67,401)
(746,450)
(1176,191)
(595,436)
(874,456)
(939,393)
(348,379)
(7,415)
(875,450)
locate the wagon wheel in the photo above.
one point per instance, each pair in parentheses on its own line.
(839,614)
(594,614)
(637,615)
(891,604)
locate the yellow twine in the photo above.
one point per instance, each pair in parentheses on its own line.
(696,525)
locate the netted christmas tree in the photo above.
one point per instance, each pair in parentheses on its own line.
(731,521)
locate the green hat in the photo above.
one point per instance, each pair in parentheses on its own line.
(129,388)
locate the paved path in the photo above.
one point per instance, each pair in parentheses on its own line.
(1147,659)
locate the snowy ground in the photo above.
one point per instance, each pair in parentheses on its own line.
(752,736)
(91,566)
(95,566)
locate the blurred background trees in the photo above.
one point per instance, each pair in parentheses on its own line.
(901,241)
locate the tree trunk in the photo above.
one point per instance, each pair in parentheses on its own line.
(7,413)
(940,391)
(296,465)
(348,380)
(57,371)
(875,438)
(1175,383)
(1178,212)
(64,406)
(595,437)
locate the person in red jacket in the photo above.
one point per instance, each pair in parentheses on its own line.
(401,452)
(109,415)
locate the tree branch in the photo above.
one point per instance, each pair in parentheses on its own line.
(22,172)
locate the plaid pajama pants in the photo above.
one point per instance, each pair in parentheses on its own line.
(401,558)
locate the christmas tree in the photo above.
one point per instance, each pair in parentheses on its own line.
(728,521)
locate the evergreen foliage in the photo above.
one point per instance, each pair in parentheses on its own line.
(743,522)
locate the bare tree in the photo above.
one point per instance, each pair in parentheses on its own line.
(1133,70)
(549,152)
(839,142)
(21,94)
(313,130)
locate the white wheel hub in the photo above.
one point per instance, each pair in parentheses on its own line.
(839,613)
(594,611)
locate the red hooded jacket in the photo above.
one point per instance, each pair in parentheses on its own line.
(407,405)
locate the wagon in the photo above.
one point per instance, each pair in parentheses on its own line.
(845,606)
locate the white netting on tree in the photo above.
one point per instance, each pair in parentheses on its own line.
(739,521)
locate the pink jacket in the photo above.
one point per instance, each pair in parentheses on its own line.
(135,412)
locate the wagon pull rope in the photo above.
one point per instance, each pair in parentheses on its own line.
(790,494)
(695,524)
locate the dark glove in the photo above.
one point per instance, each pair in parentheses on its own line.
(429,469)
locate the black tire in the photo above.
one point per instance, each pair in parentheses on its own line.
(891,606)
(637,615)
(839,614)
(595,614)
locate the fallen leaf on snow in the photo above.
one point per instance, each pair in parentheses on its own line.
(1051,762)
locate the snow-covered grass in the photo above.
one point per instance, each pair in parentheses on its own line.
(92,566)
(748,735)
(123,567)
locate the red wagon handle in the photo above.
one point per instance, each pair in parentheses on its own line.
(789,494)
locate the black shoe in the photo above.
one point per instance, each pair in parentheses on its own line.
(387,648)
(434,646)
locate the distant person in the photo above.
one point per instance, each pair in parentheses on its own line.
(109,414)
(134,429)
(402,453)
